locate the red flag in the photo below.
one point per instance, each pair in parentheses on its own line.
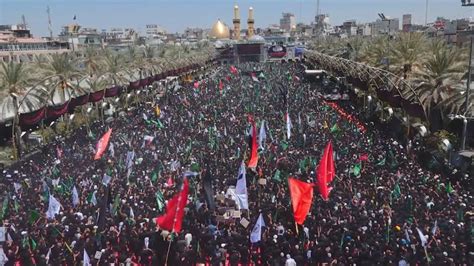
(169,182)
(301,198)
(221,85)
(364,157)
(234,70)
(173,218)
(253,154)
(196,84)
(324,175)
(228,78)
(254,77)
(102,144)
(330,166)
(59,152)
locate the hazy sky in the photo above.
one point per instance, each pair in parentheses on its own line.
(176,15)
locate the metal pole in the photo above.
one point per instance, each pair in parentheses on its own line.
(426,13)
(464,131)
(468,87)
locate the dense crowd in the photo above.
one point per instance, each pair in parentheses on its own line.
(381,197)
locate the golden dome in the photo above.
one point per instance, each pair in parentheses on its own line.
(219,31)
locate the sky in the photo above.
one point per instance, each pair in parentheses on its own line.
(176,15)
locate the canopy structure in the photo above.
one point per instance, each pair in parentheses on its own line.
(389,87)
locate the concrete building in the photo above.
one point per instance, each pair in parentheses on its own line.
(288,22)
(390,25)
(322,25)
(18,44)
(406,24)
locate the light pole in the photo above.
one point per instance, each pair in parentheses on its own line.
(464,128)
(384,18)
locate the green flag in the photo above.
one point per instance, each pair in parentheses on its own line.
(277,176)
(396,191)
(34,216)
(16,205)
(154,177)
(160,201)
(115,205)
(381,163)
(334,129)
(356,169)
(33,243)
(449,188)
(4,208)
(284,145)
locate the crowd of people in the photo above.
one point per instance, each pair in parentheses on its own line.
(384,209)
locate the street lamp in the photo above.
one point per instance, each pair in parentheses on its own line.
(384,18)
(464,128)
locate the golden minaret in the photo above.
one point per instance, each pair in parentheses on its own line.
(236,22)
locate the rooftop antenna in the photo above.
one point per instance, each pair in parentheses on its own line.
(50,28)
(23,22)
(426,13)
(317,8)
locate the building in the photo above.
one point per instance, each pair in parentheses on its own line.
(288,22)
(387,26)
(154,30)
(250,24)
(195,34)
(18,44)
(236,22)
(219,31)
(321,25)
(349,28)
(406,24)
(80,38)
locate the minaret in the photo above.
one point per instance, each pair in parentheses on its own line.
(250,23)
(236,22)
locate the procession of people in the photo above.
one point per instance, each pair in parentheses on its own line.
(63,207)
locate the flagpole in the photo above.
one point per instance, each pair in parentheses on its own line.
(174,222)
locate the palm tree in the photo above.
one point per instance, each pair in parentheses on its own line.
(14,80)
(375,52)
(442,69)
(91,60)
(61,70)
(113,65)
(408,51)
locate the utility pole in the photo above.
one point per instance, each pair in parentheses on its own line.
(317,8)
(426,13)
(50,28)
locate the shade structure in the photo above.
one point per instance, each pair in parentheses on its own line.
(96,96)
(113,91)
(57,111)
(413,109)
(32,118)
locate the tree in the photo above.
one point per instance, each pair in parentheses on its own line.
(408,52)
(442,69)
(61,70)
(14,84)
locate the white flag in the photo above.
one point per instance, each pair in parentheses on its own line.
(241,188)
(129,162)
(423,238)
(435,228)
(48,255)
(3,257)
(262,136)
(256,234)
(106,179)
(94,199)
(112,149)
(86,261)
(288,125)
(53,208)
(132,215)
(17,187)
(75,197)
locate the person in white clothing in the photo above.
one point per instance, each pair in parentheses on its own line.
(290,261)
